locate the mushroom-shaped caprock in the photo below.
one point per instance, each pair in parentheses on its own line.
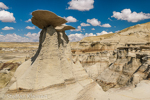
(63,28)
(44,18)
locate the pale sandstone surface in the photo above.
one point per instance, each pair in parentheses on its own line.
(141,92)
(116,59)
(12,54)
(56,75)
(63,28)
(46,63)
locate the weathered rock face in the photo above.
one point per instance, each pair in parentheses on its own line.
(118,59)
(95,57)
(43,18)
(52,52)
(50,72)
(7,70)
(125,70)
(62,28)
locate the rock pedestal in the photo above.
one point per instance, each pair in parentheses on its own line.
(51,72)
(51,64)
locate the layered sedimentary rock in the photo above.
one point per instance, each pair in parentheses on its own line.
(95,57)
(54,74)
(47,62)
(116,59)
(50,72)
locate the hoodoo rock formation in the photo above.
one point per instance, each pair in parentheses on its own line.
(54,73)
(50,72)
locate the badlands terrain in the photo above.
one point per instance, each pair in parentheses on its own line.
(113,66)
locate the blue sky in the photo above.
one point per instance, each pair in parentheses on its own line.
(90,17)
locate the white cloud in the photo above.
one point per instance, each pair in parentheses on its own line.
(83,29)
(79,36)
(70,19)
(106,25)
(103,32)
(84,24)
(3,6)
(29,20)
(90,34)
(29,37)
(81,5)
(93,29)
(33,36)
(13,38)
(6,16)
(7,28)
(126,14)
(31,28)
(78,29)
(94,22)
(75,37)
